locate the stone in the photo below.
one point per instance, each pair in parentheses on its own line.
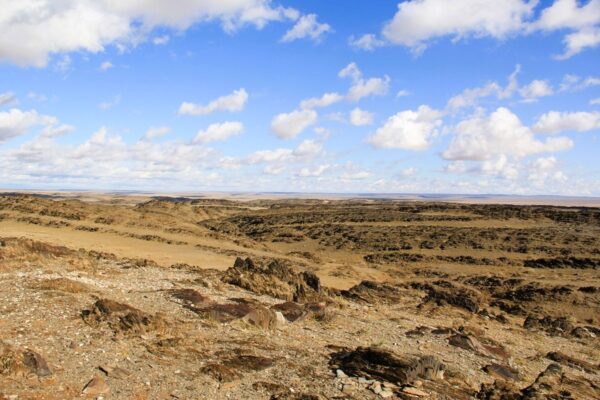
(340,374)
(36,363)
(115,372)
(386,394)
(379,364)
(96,386)
(376,388)
(502,372)
(413,391)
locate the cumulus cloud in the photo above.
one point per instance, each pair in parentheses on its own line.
(418,21)
(34,29)
(16,122)
(156,132)
(471,96)
(290,125)
(363,87)
(307,150)
(536,89)
(576,42)
(360,117)
(324,101)
(7,98)
(568,14)
(233,102)
(554,122)
(354,176)
(368,42)
(313,172)
(408,130)
(574,83)
(274,169)
(56,130)
(408,172)
(544,169)
(105,158)
(105,66)
(219,132)
(161,40)
(484,137)
(306,27)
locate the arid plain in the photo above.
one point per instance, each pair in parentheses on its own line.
(140,297)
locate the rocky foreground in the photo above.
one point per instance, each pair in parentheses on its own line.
(80,323)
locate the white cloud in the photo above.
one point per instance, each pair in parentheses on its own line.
(53,131)
(367,42)
(402,93)
(107,105)
(274,169)
(483,137)
(576,42)
(408,172)
(364,87)
(554,122)
(219,132)
(306,26)
(270,156)
(7,98)
(290,125)
(161,40)
(418,21)
(233,102)
(574,83)
(307,150)
(408,130)
(566,14)
(106,65)
(156,132)
(34,29)
(545,169)
(16,122)
(351,71)
(595,102)
(360,117)
(105,159)
(470,97)
(535,90)
(324,101)
(353,176)
(63,65)
(569,14)
(313,172)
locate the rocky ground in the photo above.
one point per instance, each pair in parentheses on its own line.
(455,302)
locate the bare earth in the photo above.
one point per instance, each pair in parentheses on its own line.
(136,297)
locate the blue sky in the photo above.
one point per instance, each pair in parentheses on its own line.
(429,96)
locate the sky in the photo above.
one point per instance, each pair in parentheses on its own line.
(320,96)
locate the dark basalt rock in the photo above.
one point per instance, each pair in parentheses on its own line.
(122,318)
(372,292)
(567,262)
(446,293)
(502,372)
(275,279)
(382,365)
